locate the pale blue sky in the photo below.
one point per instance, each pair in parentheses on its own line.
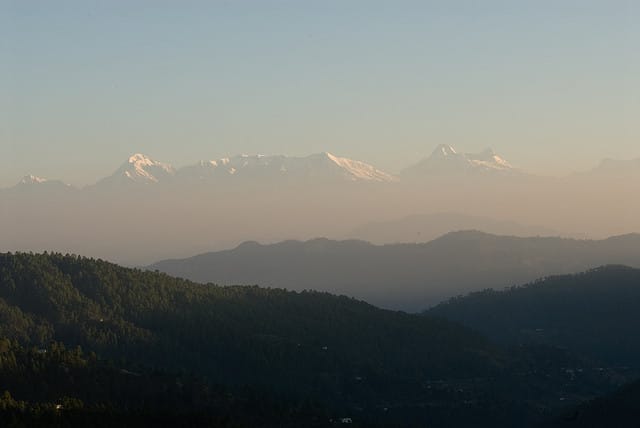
(550,85)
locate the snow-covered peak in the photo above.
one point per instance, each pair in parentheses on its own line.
(445,160)
(444,150)
(32,182)
(140,160)
(360,170)
(32,179)
(140,169)
(488,159)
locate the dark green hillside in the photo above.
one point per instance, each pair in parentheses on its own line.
(344,353)
(153,346)
(620,409)
(594,313)
(233,332)
(68,387)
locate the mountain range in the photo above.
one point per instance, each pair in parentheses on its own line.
(427,227)
(409,277)
(444,161)
(322,167)
(142,169)
(148,210)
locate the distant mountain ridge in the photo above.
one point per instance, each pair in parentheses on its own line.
(617,167)
(320,166)
(142,169)
(404,276)
(148,210)
(445,160)
(33,184)
(426,227)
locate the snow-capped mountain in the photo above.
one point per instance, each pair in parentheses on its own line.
(355,170)
(140,169)
(319,166)
(234,168)
(32,179)
(31,182)
(445,160)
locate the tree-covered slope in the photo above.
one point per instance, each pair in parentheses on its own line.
(118,311)
(594,313)
(59,387)
(304,355)
(620,409)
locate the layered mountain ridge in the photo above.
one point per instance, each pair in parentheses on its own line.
(148,210)
(404,276)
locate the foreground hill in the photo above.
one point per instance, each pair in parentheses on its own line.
(118,311)
(593,313)
(404,276)
(59,387)
(620,409)
(212,353)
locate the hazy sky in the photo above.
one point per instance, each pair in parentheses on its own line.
(550,85)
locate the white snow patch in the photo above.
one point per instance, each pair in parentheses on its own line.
(32,179)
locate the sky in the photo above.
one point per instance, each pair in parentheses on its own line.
(552,86)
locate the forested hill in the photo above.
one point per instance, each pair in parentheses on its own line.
(301,346)
(119,311)
(126,347)
(594,313)
(620,409)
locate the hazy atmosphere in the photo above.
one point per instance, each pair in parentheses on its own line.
(297,213)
